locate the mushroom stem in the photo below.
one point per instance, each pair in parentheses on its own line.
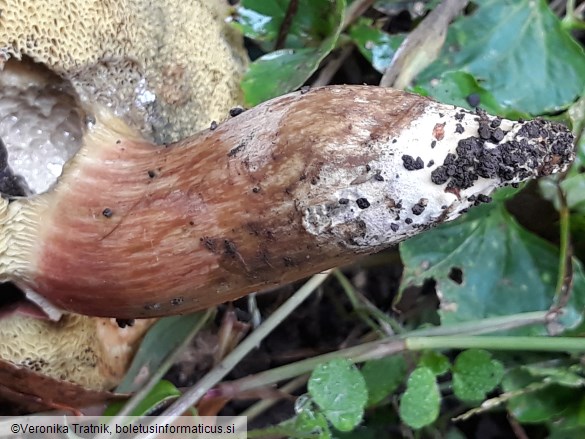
(294,186)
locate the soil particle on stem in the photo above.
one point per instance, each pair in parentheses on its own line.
(412,164)
(487,156)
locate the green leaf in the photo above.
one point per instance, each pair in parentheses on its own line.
(339,389)
(557,375)
(314,33)
(161,393)
(435,361)
(162,339)
(518,51)
(574,188)
(377,46)
(454,87)
(280,72)
(536,406)
(313,22)
(556,432)
(261,20)
(383,377)
(573,418)
(475,374)
(485,265)
(420,403)
(311,424)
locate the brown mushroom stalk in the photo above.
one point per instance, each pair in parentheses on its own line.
(294,186)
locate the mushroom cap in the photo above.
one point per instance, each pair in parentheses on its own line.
(92,352)
(167,67)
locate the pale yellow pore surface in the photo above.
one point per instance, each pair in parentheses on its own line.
(93,352)
(168,67)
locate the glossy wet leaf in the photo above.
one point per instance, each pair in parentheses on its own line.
(261,20)
(339,389)
(460,88)
(536,406)
(383,377)
(419,406)
(309,424)
(314,33)
(377,46)
(162,339)
(557,375)
(518,51)
(435,361)
(485,265)
(163,392)
(280,72)
(475,373)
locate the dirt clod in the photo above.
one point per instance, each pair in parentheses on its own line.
(412,164)
(473,99)
(236,111)
(362,203)
(521,157)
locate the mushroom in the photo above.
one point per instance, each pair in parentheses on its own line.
(167,68)
(293,186)
(90,355)
(298,184)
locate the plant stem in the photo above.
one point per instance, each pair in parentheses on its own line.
(135,400)
(355,10)
(362,310)
(501,343)
(565,276)
(261,406)
(383,347)
(291,11)
(193,395)
(155,378)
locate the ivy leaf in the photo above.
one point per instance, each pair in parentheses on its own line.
(339,389)
(261,20)
(383,377)
(377,46)
(518,51)
(475,374)
(458,88)
(557,375)
(485,265)
(536,405)
(280,72)
(420,403)
(313,34)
